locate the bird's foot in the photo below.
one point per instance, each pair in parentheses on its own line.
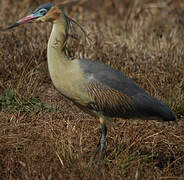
(100,149)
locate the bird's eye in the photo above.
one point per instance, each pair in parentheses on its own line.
(43,11)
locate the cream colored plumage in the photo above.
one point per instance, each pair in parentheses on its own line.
(62,68)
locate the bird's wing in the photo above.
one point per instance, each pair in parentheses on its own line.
(111,91)
(109,77)
(109,101)
(116,95)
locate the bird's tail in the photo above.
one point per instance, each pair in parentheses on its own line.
(164,111)
(153,108)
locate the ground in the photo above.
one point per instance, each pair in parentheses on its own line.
(44,136)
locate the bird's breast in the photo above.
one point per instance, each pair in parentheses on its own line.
(69,80)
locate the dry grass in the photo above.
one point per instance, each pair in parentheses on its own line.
(43,136)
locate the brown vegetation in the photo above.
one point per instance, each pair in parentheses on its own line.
(44,136)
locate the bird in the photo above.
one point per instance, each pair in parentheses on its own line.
(93,86)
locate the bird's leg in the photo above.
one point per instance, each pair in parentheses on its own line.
(94,155)
(101,145)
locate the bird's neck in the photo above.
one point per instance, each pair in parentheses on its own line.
(55,51)
(59,64)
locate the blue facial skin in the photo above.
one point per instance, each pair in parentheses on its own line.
(46,6)
(40,13)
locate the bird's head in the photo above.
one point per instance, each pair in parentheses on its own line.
(44,13)
(47,13)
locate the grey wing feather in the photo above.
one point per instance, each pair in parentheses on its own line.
(140,102)
(110,77)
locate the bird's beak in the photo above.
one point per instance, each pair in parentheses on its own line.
(24,20)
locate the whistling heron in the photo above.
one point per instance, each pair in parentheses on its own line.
(93,86)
